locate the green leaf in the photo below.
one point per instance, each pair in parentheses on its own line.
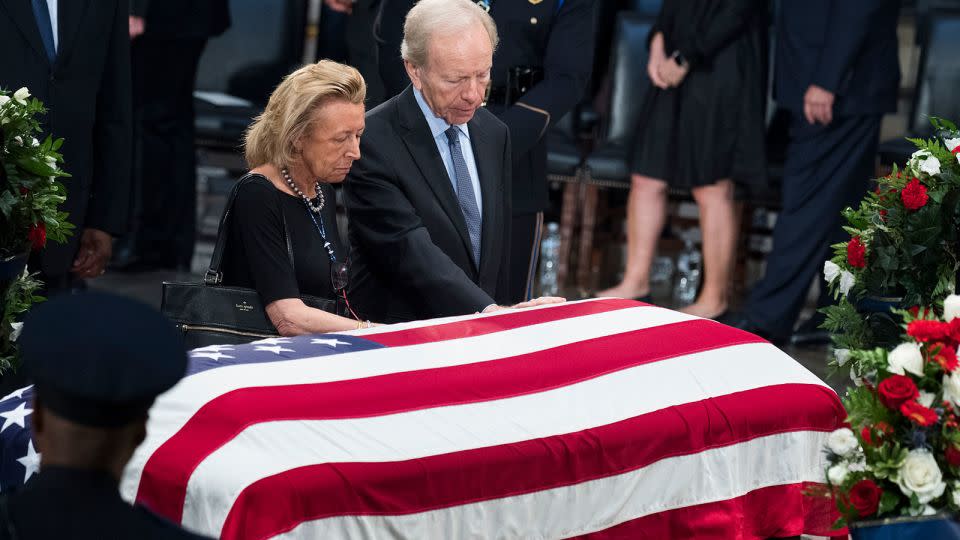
(888,502)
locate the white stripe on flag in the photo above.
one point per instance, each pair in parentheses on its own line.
(174,408)
(270,448)
(713,475)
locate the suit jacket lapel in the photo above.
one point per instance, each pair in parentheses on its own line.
(487,157)
(69,16)
(22,14)
(421,145)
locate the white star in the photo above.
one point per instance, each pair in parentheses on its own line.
(272,341)
(31,462)
(15,416)
(329,342)
(213,355)
(214,348)
(17,394)
(275,350)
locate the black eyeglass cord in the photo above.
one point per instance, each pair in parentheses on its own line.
(332,254)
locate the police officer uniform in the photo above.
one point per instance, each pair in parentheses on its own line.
(540,72)
(97,361)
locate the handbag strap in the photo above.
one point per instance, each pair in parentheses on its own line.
(214,276)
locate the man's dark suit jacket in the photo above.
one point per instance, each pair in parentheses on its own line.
(848,47)
(410,250)
(87,93)
(182,19)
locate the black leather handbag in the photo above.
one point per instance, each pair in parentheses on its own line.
(210,313)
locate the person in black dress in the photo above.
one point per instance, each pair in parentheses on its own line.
(702,130)
(306,139)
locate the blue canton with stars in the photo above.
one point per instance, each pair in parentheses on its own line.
(19,460)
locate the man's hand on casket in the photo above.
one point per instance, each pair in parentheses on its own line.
(528,304)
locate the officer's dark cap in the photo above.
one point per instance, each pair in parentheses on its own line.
(98,359)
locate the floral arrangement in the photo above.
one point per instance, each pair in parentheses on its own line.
(901,454)
(30,195)
(903,244)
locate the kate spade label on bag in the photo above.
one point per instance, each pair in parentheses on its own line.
(243,306)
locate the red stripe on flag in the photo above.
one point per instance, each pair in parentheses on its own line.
(164,479)
(499,323)
(279,503)
(750,517)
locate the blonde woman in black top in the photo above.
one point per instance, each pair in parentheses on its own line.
(306,139)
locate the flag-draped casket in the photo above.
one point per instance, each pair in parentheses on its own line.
(597,419)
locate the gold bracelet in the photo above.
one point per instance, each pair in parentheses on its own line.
(359,325)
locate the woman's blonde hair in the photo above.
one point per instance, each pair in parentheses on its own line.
(271,136)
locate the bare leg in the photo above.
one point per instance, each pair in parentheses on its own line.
(719,220)
(646,214)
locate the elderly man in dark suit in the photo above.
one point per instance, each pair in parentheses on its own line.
(429,200)
(837,73)
(75,57)
(540,72)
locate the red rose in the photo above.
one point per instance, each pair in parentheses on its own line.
(865,497)
(946,356)
(918,414)
(897,389)
(953,455)
(38,235)
(856,253)
(867,437)
(925,331)
(914,195)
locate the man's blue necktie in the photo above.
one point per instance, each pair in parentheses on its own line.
(42,14)
(468,200)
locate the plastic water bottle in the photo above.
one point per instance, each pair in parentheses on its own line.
(689,263)
(550,261)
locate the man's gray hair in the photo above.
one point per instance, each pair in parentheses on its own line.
(444,17)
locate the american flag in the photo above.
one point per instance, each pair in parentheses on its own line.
(597,419)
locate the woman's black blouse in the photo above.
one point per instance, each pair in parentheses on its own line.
(255,254)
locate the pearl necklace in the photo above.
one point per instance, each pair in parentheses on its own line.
(313,208)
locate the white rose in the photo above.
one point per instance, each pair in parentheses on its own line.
(906,356)
(920,475)
(842,356)
(21,95)
(955,495)
(18,140)
(951,388)
(51,161)
(923,160)
(34,141)
(842,442)
(931,166)
(837,474)
(951,307)
(926,398)
(846,282)
(4,100)
(17,328)
(831,271)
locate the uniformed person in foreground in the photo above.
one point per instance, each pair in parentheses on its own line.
(97,361)
(540,72)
